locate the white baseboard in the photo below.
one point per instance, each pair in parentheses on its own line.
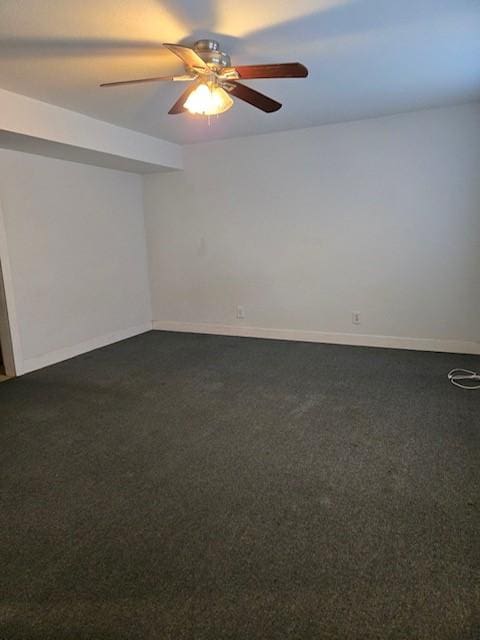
(361,340)
(354,339)
(38,362)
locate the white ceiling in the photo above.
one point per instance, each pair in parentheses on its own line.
(366,57)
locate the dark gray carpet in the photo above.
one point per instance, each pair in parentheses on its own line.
(183,486)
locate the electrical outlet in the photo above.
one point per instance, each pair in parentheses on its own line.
(240,312)
(355,317)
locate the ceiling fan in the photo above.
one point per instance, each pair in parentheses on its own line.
(213,80)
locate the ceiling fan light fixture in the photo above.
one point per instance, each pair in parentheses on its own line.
(216,81)
(208,100)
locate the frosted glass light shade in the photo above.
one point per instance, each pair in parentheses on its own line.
(208,100)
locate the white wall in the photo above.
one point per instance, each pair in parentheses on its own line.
(37,127)
(77,259)
(303,227)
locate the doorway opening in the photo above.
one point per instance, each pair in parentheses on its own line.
(7,362)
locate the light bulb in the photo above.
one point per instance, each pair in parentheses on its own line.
(208,100)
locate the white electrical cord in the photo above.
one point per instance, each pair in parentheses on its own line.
(457,376)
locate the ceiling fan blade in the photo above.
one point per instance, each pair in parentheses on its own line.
(253,97)
(178,106)
(285,70)
(188,56)
(158,79)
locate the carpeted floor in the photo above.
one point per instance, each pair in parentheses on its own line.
(179,486)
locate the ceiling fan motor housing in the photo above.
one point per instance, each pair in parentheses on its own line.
(209,52)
